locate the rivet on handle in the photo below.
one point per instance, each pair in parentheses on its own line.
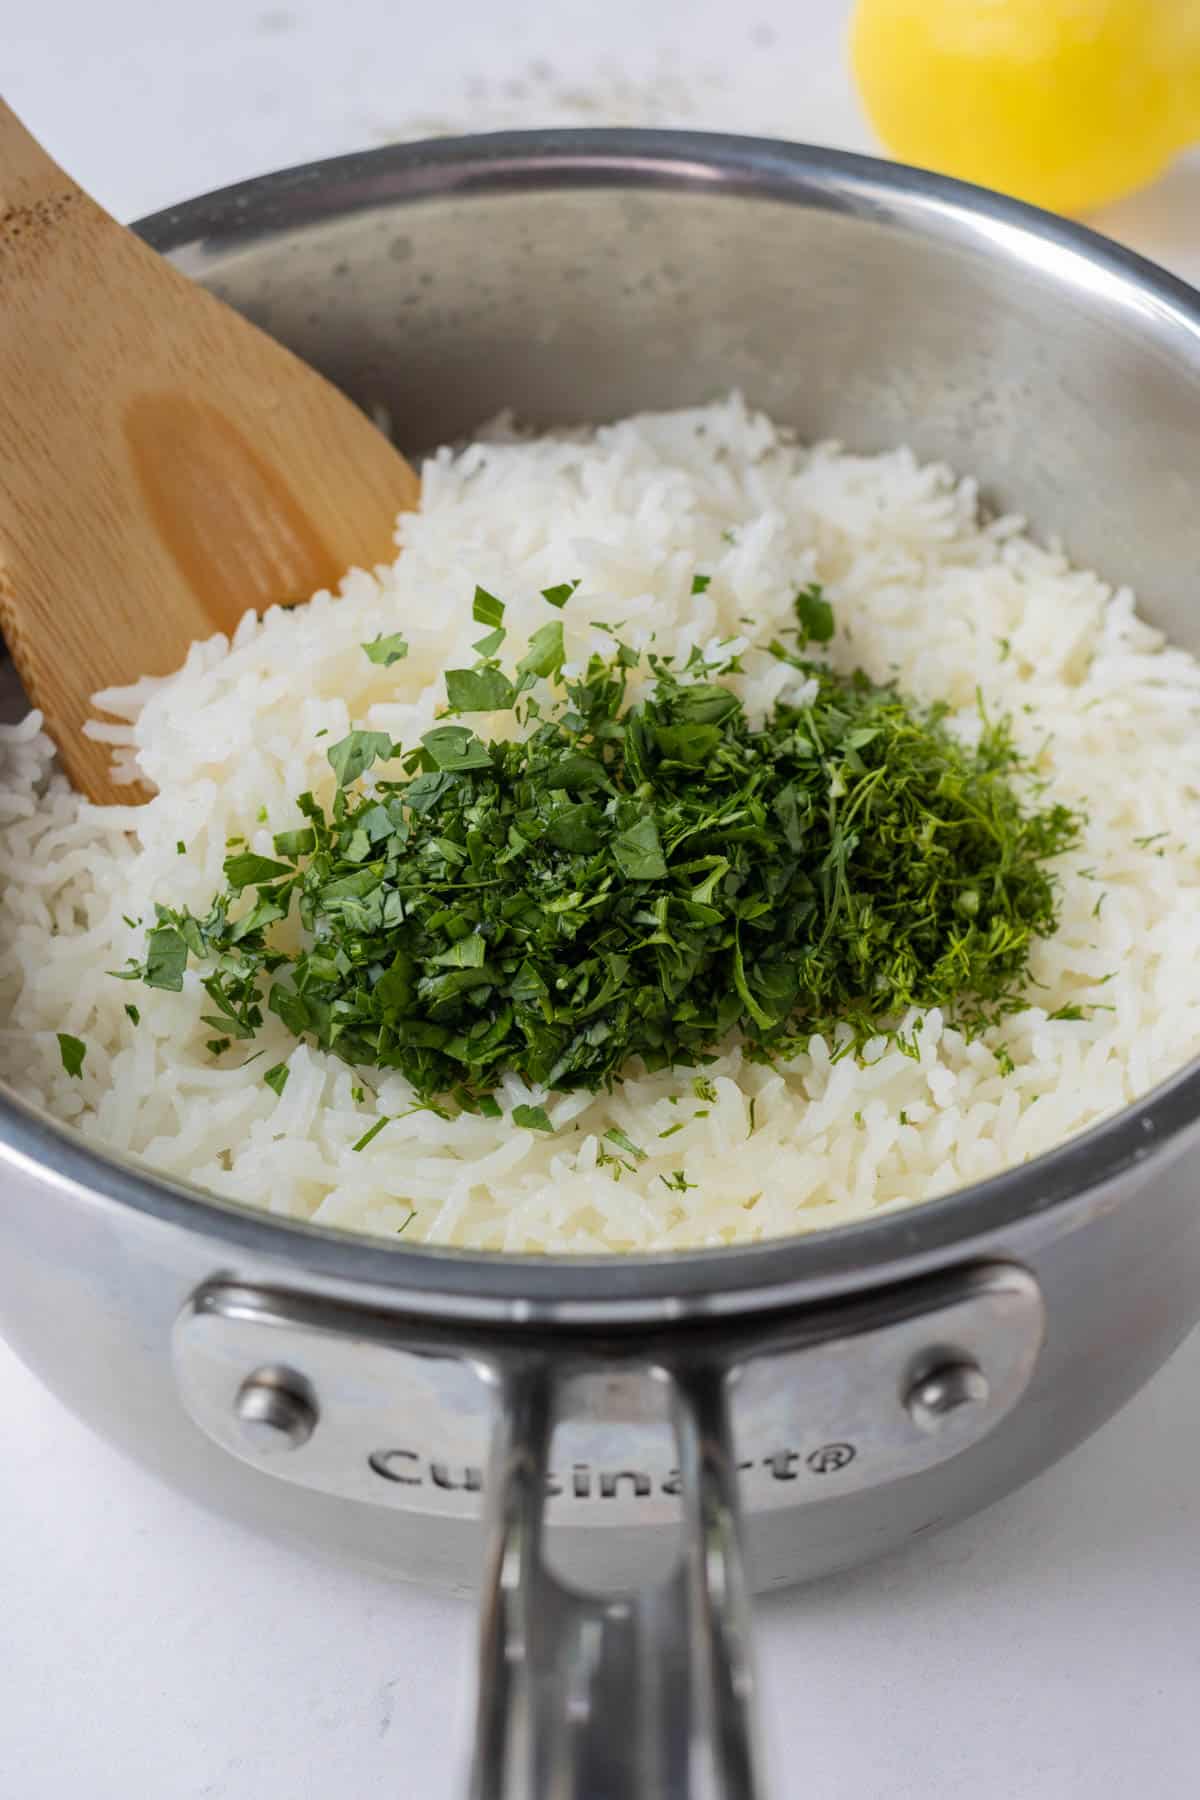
(944,1391)
(275,1410)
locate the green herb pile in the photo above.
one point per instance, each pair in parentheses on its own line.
(630,879)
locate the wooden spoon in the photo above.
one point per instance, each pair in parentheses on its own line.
(164,466)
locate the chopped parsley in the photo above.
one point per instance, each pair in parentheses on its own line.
(387,650)
(558,596)
(166,958)
(353,755)
(484,689)
(72,1050)
(486,609)
(277,1077)
(533,1118)
(631,878)
(815,615)
(374,1131)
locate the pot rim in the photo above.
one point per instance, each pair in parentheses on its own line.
(658,1287)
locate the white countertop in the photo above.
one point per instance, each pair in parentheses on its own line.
(1047,1650)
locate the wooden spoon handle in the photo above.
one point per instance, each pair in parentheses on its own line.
(27,175)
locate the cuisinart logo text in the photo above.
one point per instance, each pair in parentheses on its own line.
(584,1482)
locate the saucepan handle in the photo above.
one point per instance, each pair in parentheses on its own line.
(635,1696)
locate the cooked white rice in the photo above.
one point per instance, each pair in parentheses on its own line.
(923,590)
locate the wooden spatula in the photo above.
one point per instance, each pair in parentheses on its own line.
(164,466)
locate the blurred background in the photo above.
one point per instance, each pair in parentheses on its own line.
(1070,102)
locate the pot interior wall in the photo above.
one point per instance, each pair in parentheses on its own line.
(1070,394)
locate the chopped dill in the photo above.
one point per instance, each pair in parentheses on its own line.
(625,1143)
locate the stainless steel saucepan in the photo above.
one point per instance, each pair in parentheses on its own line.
(618,1440)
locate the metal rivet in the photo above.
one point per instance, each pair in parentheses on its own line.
(944,1391)
(276,1411)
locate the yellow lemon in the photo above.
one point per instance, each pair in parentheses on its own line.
(1068,103)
